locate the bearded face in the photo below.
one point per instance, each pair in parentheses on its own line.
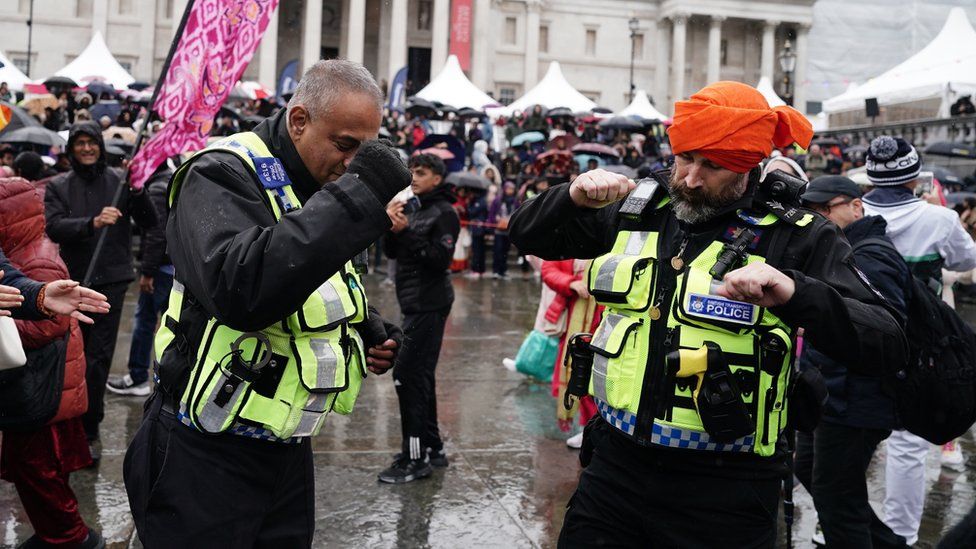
(699,191)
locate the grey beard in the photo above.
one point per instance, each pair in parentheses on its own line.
(691,214)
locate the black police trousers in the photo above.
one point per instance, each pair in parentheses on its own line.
(100,340)
(187,489)
(626,500)
(413,376)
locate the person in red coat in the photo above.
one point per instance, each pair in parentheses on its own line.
(568,279)
(38,462)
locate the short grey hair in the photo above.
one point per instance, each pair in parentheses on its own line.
(326,81)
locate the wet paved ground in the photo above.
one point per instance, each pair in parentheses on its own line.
(510,475)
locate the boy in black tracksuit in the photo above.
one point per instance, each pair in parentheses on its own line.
(422,243)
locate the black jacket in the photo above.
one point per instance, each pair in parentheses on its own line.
(154,253)
(841,315)
(248,271)
(73,200)
(854,399)
(423,253)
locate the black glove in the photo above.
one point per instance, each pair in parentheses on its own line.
(375,330)
(378,165)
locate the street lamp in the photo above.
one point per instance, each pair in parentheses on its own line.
(787,62)
(634,26)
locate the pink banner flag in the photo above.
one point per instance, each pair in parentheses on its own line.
(217,44)
(461,32)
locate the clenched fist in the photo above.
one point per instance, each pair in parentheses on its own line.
(759,284)
(599,188)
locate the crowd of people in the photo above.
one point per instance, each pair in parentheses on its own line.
(547,183)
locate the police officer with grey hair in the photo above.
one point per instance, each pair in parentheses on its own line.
(268,328)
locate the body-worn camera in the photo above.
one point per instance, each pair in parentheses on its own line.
(782,187)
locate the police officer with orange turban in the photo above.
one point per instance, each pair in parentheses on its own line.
(706,284)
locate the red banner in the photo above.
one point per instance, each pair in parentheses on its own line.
(461,18)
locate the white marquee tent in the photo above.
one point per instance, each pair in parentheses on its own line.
(97,63)
(553,91)
(944,69)
(765,87)
(452,87)
(641,106)
(11,74)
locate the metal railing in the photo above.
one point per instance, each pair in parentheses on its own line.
(960,129)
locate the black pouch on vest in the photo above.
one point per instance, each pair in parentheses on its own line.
(723,413)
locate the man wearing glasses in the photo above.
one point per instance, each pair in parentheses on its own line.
(831,463)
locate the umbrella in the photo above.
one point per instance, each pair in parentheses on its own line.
(560,160)
(121,133)
(622,123)
(60,82)
(35,135)
(595,148)
(527,137)
(560,112)
(96,89)
(439,152)
(944,175)
(602,110)
(958,197)
(567,140)
(138,96)
(138,85)
(121,144)
(945,148)
(468,112)
(583,160)
(420,107)
(467,180)
(115,151)
(36,105)
(228,111)
(17,118)
(453,144)
(631,173)
(110,108)
(443,110)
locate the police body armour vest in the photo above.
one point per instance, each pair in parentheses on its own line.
(757,346)
(315,363)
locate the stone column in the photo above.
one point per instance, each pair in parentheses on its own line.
(439,29)
(311,34)
(800,75)
(398,38)
(179,6)
(356,37)
(268,60)
(661,67)
(767,65)
(679,38)
(481,53)
(100,18)
(147,44)
(531,77)
(715,49)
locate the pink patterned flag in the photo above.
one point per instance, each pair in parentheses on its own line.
(218,42)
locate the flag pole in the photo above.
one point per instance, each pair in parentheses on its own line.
(123,185)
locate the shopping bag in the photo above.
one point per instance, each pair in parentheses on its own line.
(537,356)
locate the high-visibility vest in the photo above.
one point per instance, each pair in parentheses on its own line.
(758,346)
(315,363)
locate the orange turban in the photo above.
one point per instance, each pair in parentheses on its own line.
(731,124)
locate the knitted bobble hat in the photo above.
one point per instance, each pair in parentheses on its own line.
(892,161)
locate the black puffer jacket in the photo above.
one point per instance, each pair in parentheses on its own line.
(73,200)
(424,251)
(154,240)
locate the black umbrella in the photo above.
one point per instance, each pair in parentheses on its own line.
(139,86)
(957,150)
(443,110)
(944,175)
(602,110)
(59,82)
(420,107)
(19,118)
(109,108)
(35,135)
(97,89)
(468,112)
(560,112)
(958,198)
(468,180)
(621,123)
(120,144)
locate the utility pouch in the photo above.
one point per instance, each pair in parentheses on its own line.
(624,279)
(229,383)
(580,357)
(717,397)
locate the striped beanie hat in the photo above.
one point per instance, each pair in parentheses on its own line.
(892,161)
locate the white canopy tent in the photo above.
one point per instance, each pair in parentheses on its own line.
(942,71)
(95,62)
(765,87)
(11,74)
(641,106)
(553,91)
(452,87)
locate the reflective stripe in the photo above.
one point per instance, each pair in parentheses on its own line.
(326,362)
(604,278)
(213,416)
(312,414)
(600,340)
(636,242)
(178,286)
(621,419)
(332,301)
(673,437)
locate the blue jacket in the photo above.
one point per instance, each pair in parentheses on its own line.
(857,400)
(28,288)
